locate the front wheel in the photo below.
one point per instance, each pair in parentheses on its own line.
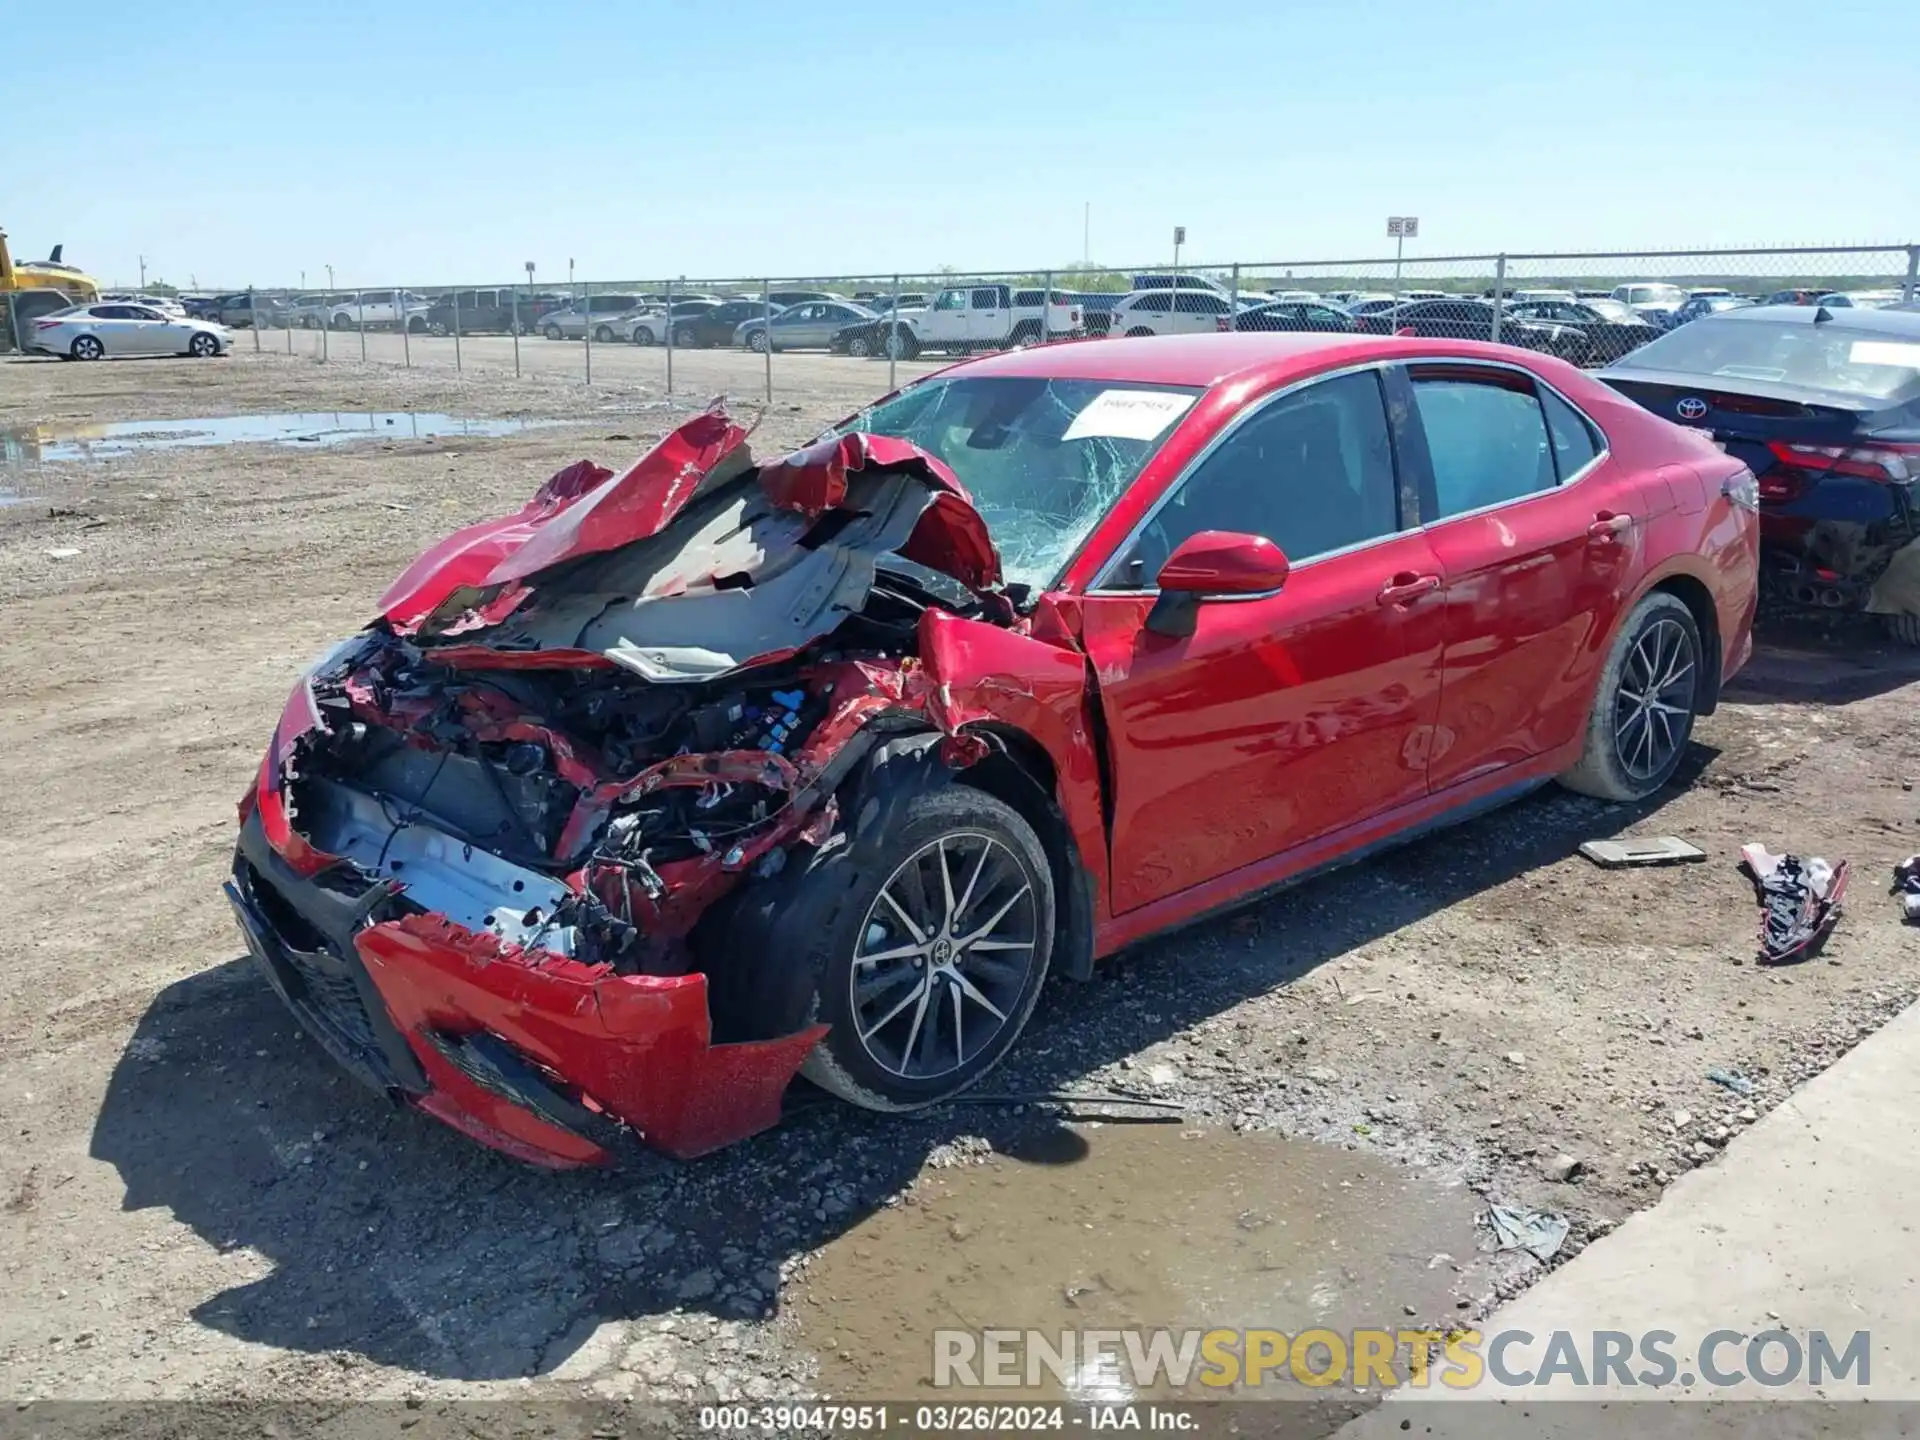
(757,342)
(642,335)
(88,348)
(343,321)
(1138,332)
(1644,706)
(684,338)
(552,332)
(202,346)
(901,346)
(604,334)
(859,347)
(932,936)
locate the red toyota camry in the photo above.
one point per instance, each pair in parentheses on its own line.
(678,783)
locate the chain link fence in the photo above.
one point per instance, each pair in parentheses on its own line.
(750,337)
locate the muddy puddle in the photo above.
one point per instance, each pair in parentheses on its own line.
(1132,1227)
(57,443)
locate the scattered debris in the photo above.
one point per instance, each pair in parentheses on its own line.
(1540,1232)
(1906,884)
(63,552)
(1563,1169)
(1733,1080)
(1799,901)
(1660,850)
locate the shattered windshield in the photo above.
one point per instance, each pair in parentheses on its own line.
(1043,459)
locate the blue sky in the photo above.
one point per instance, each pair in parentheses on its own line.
(428,141)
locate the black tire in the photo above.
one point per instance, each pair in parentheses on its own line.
(604,334)
(434,327)
(642,335)
(308,322)
(757,341)
(1139,332)
(1634,744)
(794,946)
(342,321)
(901,345)
(552,332)
(416,325)
(684,338)
(88,348)
(860,347)
(1026,335)
(1905,629)
(203,346)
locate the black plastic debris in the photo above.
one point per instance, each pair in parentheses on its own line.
(1906,884)
(1799,901)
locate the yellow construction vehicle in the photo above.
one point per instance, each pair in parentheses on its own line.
(79,287)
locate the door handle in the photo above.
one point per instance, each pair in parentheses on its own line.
(1406,587)
(1609,526)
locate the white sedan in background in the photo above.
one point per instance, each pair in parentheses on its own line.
(109,331)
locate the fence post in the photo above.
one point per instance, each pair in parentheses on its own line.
(1233,312)
(456,332)
(360,319)
(766,330)
(586,324)
(326,324)
(892,342)
(667,321)
(289,331)
(1499,293)
(253,319)
(13,325)
(1912,288)
(515,293)
(406,325)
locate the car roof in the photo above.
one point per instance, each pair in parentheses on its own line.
(1853,318)
(1202,360)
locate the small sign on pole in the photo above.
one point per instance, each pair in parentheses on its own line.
(1179,234)
(1403,227)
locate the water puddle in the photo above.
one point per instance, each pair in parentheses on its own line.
(1132,1227)
(55,443)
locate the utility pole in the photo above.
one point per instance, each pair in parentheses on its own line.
(1179,239)
(143,272)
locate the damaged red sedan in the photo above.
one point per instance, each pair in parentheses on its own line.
(682,782)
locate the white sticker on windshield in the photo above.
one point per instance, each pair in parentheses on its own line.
(1128,415)
(1903,353)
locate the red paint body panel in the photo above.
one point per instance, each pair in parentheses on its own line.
(635,1045)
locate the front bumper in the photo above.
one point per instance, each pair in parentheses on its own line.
(545,1058)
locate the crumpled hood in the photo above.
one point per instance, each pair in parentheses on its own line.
(694,520)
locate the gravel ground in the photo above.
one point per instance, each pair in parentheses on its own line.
(193,1202)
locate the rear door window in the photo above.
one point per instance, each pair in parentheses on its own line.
(1486,437)
(1575,444)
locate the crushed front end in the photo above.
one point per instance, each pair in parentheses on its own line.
(479,850)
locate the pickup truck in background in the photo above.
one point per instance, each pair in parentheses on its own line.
(964,318)
(379,310)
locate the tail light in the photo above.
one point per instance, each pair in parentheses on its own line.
(1889,463)
(48,324)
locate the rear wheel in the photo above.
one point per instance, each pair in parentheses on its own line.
(1137,332)
(604,334)
(308,322)
(900,345)
(859,347)
(684,337)
(757,342)
(1644,706)
(552,332)
(88,348)
(342,321)
(1904,628)
(642,335)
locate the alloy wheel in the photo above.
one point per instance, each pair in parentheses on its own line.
(943,956)
(1653,707)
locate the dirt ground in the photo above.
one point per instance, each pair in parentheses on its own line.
(193,1202)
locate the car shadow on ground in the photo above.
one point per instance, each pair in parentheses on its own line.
(390,1237)
(1831,659)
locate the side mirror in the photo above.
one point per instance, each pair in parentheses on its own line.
(1214,564)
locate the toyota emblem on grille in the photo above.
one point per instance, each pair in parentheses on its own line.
(1691,408)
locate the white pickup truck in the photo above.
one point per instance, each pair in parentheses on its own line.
(983,317)
(378,310)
